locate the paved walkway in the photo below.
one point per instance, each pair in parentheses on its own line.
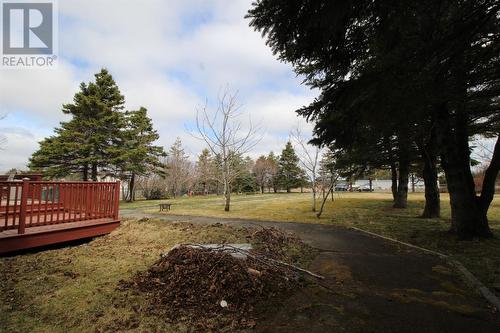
(371,285)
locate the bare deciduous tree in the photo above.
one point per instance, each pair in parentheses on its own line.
(483,151)
(328,177)
(264,170)
(180,173)
(152,186)
(226,137)
(309,156)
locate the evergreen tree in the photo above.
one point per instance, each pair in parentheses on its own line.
(219,173)
(85,143)
(205,172)
(289,173)
(137,155)
(245,181)
(423,73)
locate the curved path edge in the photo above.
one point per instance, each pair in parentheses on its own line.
(470,278)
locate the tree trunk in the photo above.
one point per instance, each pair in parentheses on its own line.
(490,177)
(330,189)
(85,173)
(401,200)
(262,189)
(314,200)
(94,172)
(394,181)
(227,185)
(227,206)
(124,194)
(412,182)
(432,208)
(469,216)
(131,188)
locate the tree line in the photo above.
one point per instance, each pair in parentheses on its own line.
(203,176)
(102,140)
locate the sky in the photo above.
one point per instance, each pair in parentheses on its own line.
(168,56)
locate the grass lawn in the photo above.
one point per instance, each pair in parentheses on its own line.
(74,288)
(369,211)
(38,289)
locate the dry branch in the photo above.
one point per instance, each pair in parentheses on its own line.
(262,259)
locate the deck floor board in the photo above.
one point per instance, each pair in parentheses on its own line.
(55,227)
(35,236)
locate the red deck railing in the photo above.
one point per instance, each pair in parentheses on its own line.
(26,203)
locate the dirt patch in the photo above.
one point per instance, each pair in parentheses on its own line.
(214,291)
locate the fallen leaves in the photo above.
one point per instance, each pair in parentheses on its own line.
(210,290)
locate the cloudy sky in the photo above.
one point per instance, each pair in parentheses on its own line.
(168,56)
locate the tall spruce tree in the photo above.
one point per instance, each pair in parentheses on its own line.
(206,172)
(289,173)
(85,143)
(136,155)
(245,181)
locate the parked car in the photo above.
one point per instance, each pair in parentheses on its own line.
(341,188)
(354,188)
(365,188)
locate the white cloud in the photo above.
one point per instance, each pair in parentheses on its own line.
(20,144)
(276,110)
(167,101)
(168,56)
(40,93)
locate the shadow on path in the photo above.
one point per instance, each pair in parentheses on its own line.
(371,285)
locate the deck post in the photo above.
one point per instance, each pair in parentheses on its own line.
(117,200)
(24,205)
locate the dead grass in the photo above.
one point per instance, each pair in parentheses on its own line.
(369,211)
(74,288)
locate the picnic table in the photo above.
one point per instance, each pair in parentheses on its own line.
(165,206)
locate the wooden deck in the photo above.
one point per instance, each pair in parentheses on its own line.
(36,213)
(11,240)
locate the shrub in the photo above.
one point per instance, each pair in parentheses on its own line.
(155,193)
